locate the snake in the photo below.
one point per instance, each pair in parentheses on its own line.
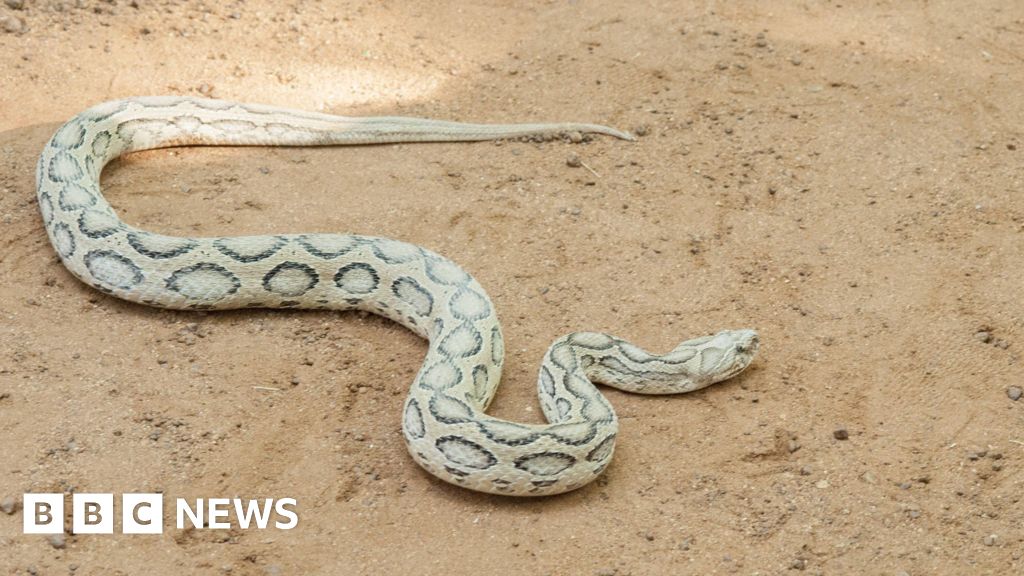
(445,424)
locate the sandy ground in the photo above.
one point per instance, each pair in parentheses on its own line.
(844,177)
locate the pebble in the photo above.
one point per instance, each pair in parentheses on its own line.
(58,541)
(990,540)
(822,484)
(7,505)
(15,4)
(573,161)
(640,130)
(841,433)
(1014,393)
(12,24)
(983,336)
(798,564)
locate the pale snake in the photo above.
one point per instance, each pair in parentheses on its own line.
(444,422)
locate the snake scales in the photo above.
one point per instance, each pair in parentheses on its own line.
(444,422)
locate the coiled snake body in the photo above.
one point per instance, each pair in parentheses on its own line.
(444,422)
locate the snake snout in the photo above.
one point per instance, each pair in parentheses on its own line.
(747,341)
(744,344)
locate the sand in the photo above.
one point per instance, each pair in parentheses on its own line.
(844,177)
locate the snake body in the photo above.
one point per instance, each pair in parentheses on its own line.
(445,426)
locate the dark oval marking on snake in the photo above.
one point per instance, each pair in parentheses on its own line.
(242,248)
(64,168)
(395,252)
(545,463)
(357,278)
(497,346)
(414,420)
(46,208)
(113,270)
(440,376)
(445,272)
(63,240)
(100,143)
(462,342)
(290,279)
(448,410)
(160,247)
(468,304)
(70,135)
(327,246)
(97,224)
(409,291)
(465,452)
(204,281)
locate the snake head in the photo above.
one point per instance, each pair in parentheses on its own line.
(722,356)
(738,349)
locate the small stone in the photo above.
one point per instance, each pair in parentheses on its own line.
(575,137)
(841,433)
(974,455)
(641,130)
(58,541)
(805,470)
(1014,393)
(15,4)
(983,336)
(795,60)
(12,24)
(822,484)
(7,505)
(798,564)
(990,540)
(205,89)
(573,161)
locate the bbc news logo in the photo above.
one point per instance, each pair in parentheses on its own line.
(144,513)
